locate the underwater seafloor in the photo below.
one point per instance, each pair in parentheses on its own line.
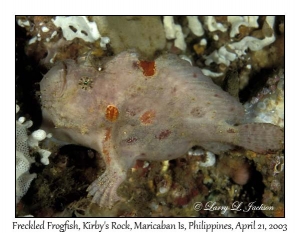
(254,75)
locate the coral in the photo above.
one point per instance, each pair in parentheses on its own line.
(268,105)
(58,38)
(209,159)
(230,52)
(237,21)
(77,27)
(174,31)
(231,37)
(195,25)
(33,142)
(62,37)
(23,159)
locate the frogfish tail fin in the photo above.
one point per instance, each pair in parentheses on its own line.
(260,137)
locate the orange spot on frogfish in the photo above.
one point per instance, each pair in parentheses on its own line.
(147,117)
(107,135)
(148,67)
(112,113)
(163,134)
(107,145)
(107,158)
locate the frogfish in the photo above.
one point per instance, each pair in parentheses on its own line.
(132,109)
